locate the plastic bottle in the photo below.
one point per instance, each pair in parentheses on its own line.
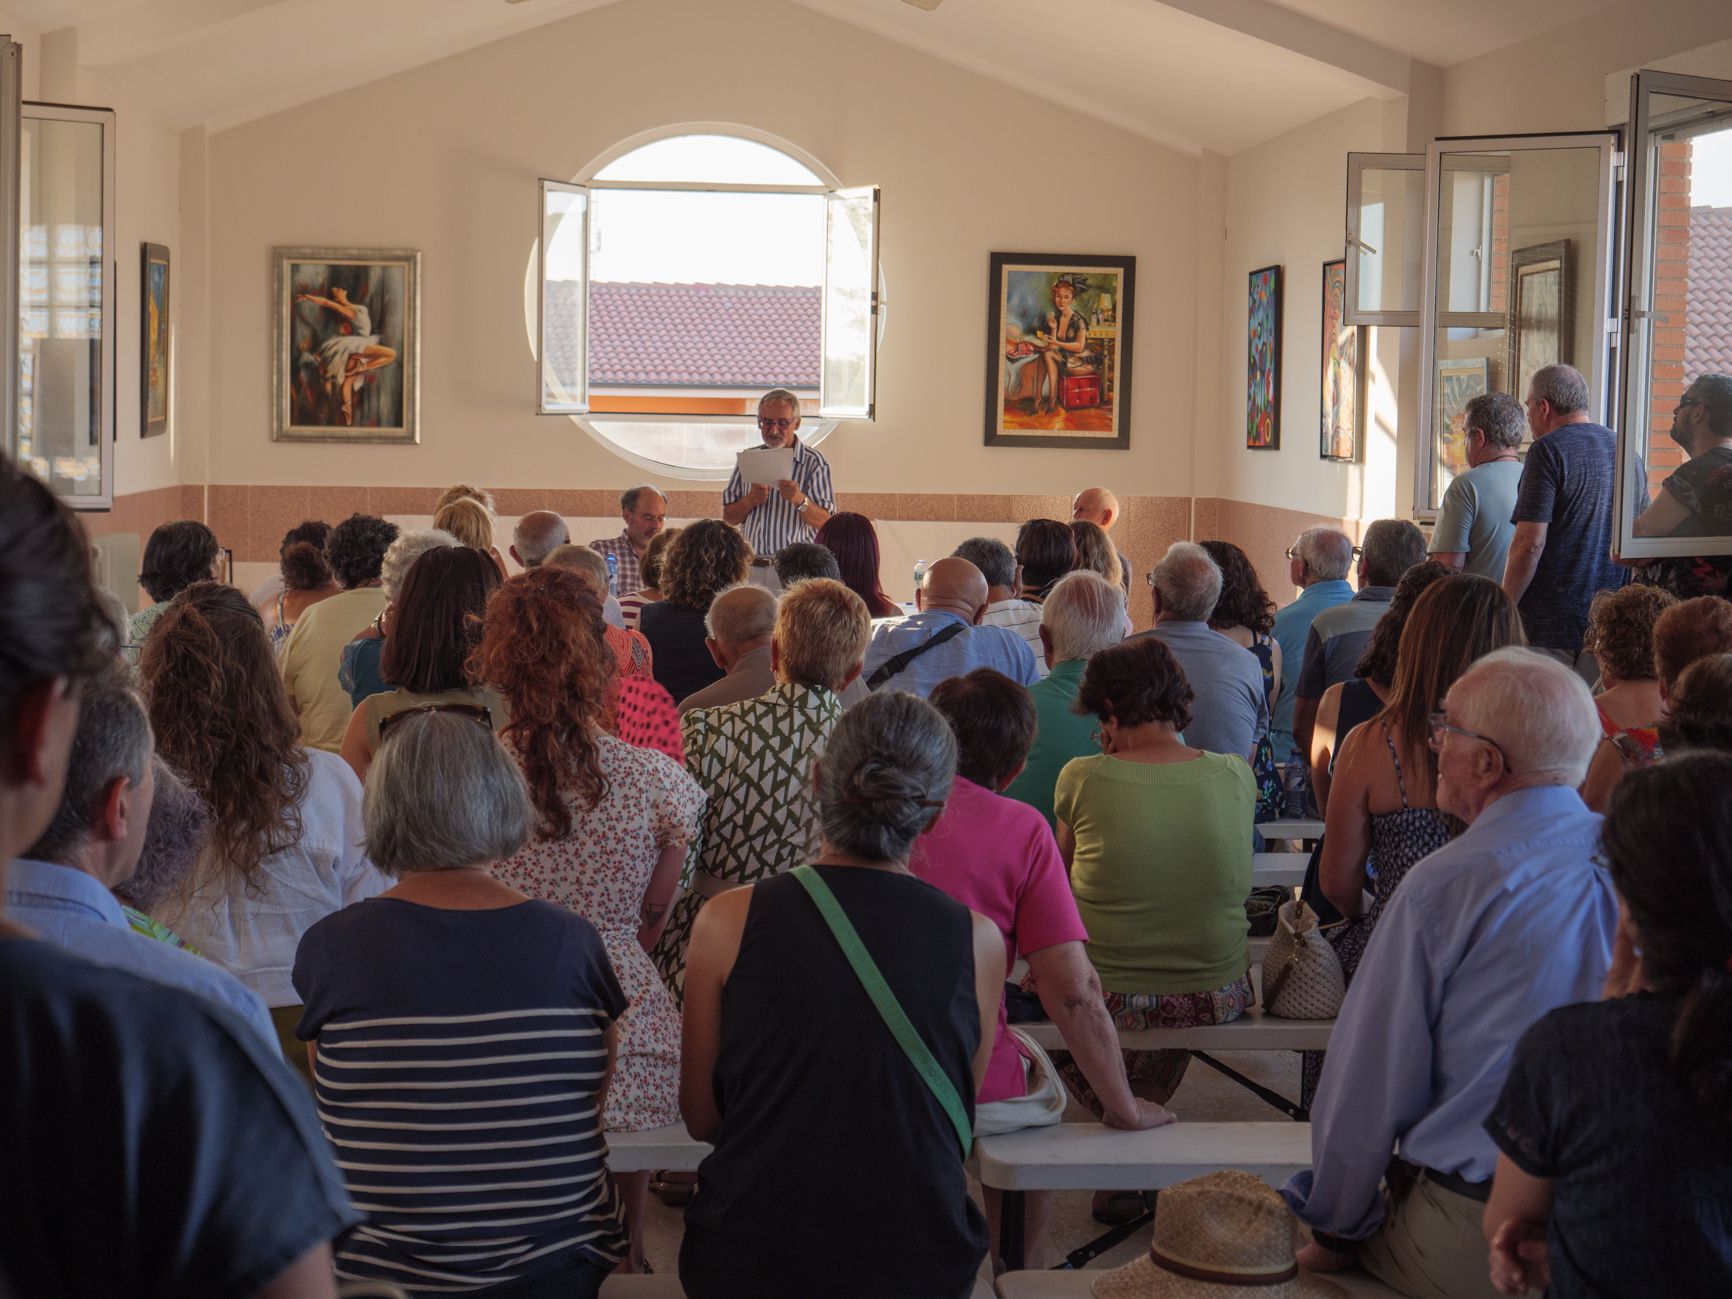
(613,574)
(919,577)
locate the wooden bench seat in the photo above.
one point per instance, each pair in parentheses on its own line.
(1077,1285)
(1252,1031)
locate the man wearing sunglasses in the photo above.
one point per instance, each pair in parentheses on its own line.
(795,508)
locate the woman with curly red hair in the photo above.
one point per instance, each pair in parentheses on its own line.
(613,822)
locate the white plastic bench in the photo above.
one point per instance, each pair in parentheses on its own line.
(664,1285)
(1252,1031)
(1078,1285)
(1283,868)
(643,1152)
(1292,827)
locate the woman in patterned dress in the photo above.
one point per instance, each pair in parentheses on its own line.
(614,822)
(754,759)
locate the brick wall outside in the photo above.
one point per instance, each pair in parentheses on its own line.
(1671,282)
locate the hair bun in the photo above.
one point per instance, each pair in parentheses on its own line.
(304,567)
(891,793)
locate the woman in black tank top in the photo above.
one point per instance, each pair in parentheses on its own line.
(837,1170)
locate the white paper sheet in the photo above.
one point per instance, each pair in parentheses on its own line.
(766,465)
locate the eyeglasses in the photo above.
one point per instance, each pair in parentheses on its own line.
(1686,401)
(1440,725)
(1292,552)
(1359,552)
(474,712)
(780,425)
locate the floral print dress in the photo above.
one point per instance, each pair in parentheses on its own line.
(600,870)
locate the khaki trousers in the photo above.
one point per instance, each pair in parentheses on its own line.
(1430,1245)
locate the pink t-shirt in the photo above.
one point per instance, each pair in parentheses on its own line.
(997,856)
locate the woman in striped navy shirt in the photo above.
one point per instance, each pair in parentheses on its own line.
(462,1037)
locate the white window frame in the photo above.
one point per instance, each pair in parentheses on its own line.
(1357,165)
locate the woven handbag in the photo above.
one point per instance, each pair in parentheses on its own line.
(1302,976)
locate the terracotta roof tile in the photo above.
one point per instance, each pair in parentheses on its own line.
(1708,319)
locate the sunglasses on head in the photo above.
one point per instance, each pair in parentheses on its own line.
(474,712)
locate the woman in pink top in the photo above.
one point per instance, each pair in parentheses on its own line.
(997,856)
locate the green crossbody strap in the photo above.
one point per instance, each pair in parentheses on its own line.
(866,970)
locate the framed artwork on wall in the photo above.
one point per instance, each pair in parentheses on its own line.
(156,356)
(1263,361)
(346,345)
(1459,381)
(1341,434)
(1539,308)
(1058,359)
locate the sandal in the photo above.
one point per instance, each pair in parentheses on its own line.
(675,1191)
(1117,1208)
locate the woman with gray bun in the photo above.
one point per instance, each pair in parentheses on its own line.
(837,1167)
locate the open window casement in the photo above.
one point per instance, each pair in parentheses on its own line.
(1385,238)
(562,263)
(849,373)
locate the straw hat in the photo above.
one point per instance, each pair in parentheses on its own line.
(1223,1236)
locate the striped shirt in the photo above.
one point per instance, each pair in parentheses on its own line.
(459,1058)
(627,570)
(776,523)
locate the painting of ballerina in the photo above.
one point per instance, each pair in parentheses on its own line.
(347,345)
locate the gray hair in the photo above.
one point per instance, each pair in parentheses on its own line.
(403,552)
(800,561)
(583,561)
(1083,613)
(175,835)
(992,557)
(780,397)
(1327,552)
(1499,416)
(1189,581)
(884,776)
(1561,387)
(741,613)
(442,793)
(113,742)
(1390,548)
(629,498)
(1539,712)
(1714,391)
(114,609)
(536,541)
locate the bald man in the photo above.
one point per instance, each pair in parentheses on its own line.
(536,536)
(945,638)
(1099,506)
(738,628)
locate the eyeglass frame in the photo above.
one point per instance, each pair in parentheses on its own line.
(780,425)
(1439,722)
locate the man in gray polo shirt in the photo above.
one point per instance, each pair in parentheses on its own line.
(1337,637)
(1473,528)
(1229,711)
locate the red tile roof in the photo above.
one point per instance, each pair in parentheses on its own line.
(695,335)
(1708,318)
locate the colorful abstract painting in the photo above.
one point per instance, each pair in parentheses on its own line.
(1263,361)
(154,362)
(1343,379)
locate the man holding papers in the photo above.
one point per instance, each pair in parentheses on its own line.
(780,492)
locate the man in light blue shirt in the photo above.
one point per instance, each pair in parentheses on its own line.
(1473,527)
(1318,563)
(944,639)
(1486,935)
(60,887)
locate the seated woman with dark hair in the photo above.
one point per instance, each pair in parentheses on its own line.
(838,1166)
(449,1018)
(1157,838)
(307,578)
(649,572)
(1045,552)
(706,559)
(1630,701)
(430,631)
(176,556)
(358,669)
(1614,1128)
(1699,713)
(854,541)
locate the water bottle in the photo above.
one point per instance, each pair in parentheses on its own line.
(1297,786)
(919,578)
(613,574)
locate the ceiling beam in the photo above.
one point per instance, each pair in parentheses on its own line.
(1266,21)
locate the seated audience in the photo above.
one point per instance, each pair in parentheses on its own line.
(1511,919)
(1245,615)
(1699,713)
(359,670)
(1696,499)
(1229,706)
(120,1095)
(944,638)
(630,649)
(1338,636)
(1156,836)
(176,556)
(472,523)
(706,559)
(175,835)
(854,541)
(644,511)
(60,886)
(611,827)
(1318,564)
(818,1116)
(650,574)
(1621,639)
(536,535)
(285,843)
(1045,552)
(313,653)
(1613,1123)
(306,578)
(1004,608)
(1347,704)
(1473,528)
(453,986)
(1098,505)
(739,624)
(1081,616)
(754,758)
(429,631)
(995,857)
(799,561)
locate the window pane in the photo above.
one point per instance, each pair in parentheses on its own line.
(850,315)
(1387,259)
(709,159)
(564,311)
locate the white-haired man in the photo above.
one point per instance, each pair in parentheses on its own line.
(1229,711)
(797,506)
(536,536)
(1098,505)
(1081,614)
(644,511)
(1318,564)
(1510,920)
(738,626)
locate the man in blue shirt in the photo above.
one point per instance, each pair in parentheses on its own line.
(944,639)
(1318,563)
(60,886)
(1483,937)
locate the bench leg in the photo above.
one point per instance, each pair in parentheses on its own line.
(1012,1214)
(1084,1255)
(1296,1112)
